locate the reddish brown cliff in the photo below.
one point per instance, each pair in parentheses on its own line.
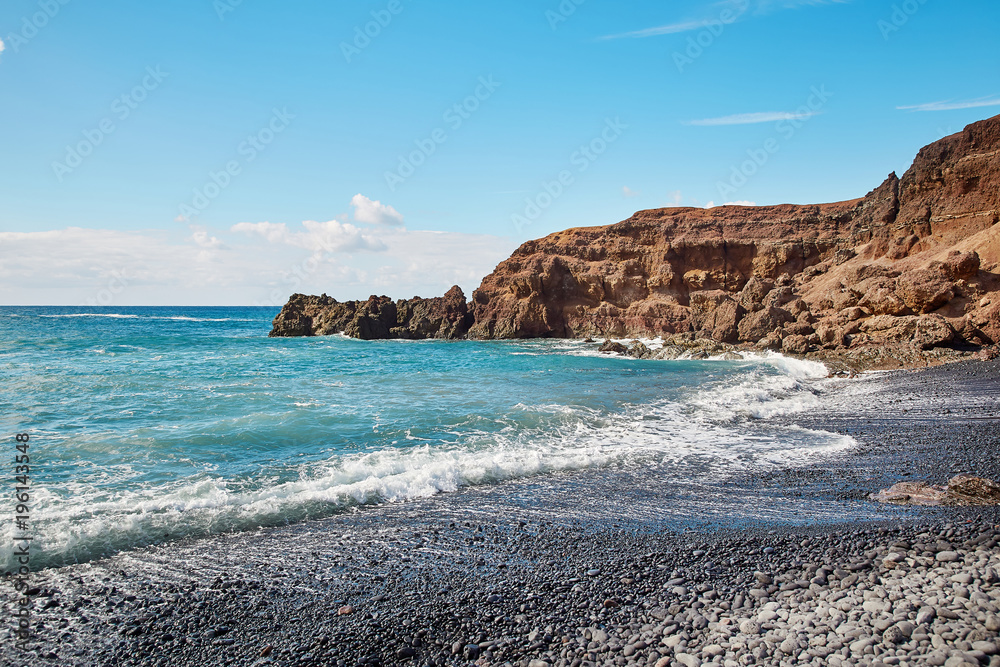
(912,262)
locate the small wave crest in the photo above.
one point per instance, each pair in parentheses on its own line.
(704,433)
(129,316)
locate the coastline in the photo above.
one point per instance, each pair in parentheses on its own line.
(563,556)
(847,361)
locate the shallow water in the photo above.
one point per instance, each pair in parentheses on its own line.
(151,424)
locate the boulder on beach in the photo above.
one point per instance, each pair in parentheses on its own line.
(960,490)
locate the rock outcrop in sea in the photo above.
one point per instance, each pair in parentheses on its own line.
(377,318)
(915,263)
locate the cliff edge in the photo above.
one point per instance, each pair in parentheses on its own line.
(914,262)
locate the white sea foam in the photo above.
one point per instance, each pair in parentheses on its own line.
(172,318)
(759,394)
(705,433)
(115,316)
(651,343)
(798,368)
(185,318)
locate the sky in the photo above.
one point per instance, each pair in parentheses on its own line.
(232,152)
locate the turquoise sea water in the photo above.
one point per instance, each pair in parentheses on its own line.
(151,424)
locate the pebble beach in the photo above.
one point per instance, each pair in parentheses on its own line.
(596,568)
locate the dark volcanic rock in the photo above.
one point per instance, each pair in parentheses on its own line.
(377,318)
(611,347)
(298,316)
(441,317)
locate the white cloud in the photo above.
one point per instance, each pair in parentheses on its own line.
(772,5)
(205,240)
(674,199)
(374,212)
(335,236)
(2,47)
(668,29)
(71,266)
(439,260)
(629,192)
(252,264)
(727,12)
(742,202)
(950,105)
(331,236)
(273,232)
(753,118)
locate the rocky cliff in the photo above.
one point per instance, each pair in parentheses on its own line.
(915,262)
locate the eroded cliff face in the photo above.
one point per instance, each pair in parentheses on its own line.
(915,261)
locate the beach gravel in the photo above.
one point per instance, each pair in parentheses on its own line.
(566,571)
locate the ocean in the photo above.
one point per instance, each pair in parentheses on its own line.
(150,425)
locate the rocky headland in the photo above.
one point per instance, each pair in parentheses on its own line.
(911,267)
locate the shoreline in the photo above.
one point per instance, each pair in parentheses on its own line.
(563,556)
(849,361)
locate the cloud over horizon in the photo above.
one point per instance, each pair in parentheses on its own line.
(249,264)
(332,236)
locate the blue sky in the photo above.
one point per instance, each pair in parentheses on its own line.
(232,152)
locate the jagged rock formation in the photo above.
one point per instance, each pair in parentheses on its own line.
(377,318)
(914,263)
